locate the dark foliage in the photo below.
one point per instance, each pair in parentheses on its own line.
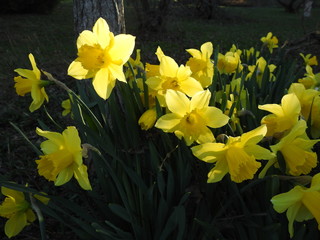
(27,6)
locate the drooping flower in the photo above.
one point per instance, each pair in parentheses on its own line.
(259,69)
(306,98)
(101,56)
(283,116)
(63,158)
(190,119)
(270,41)
(229,63)
(296,149)
(310,80)
(301,203)
(237,157)
(17,210)
(29,82)
(308,60)
(201,64)
(173,77)
(148,119)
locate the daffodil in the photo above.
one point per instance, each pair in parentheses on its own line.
(296,148)
(270,41)
(237,157)
(172,76)
(17,210)
(29,82)
(229,63)
(310,80)
(252,52)
(300,203)
(283,116)
(63,158)
(259,69)
(101,56)
(201,64)
(235,49)
(190,119)
(148,119)
(306,98)
(308,60)
(136,65)
(315,119)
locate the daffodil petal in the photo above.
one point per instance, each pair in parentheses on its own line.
(101,30)
(168,67)
(209,152)
(64,176)
(77,71)
(103,83)
(168,122)
(15,224)
(18,196)
(283,201)
(215,117)
(200,100)
(218,172)
(86,37)
(81,174)
(118,51)
(177,102)
(34,66)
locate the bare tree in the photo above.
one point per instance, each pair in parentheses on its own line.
(86,12)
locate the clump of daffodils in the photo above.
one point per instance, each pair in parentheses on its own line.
(219,106)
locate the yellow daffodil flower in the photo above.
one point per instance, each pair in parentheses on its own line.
(229,63)
(63,158)
(148,119)
(270,41)
(301,203)
(101,56)
(315,119)
(135,64)
(310,80)
(29,82)
(237,157)
(308,60)
(306,98)
(251,53)
(260,67)
(17,210)
(296,149)
(235,49)
(190,119)
(201,64)
(173,77)
(283,116)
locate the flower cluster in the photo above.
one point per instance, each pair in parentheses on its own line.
(223,109)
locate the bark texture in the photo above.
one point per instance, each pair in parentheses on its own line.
(86,13)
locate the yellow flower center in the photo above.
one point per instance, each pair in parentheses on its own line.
(91,57)
(191,119)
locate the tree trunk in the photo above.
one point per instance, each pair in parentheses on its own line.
(86,13)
